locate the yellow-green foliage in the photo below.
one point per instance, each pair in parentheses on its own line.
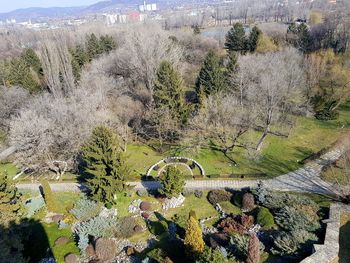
(265,44)
(193,238)
(48,196)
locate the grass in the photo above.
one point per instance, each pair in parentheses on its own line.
(344,241)
(9,168)
(43,236)
(64,200)
(230,208)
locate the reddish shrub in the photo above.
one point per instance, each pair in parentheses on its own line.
(145,206)
(217,196)
(248,202)
(236,224)
(106,249)
(145,215)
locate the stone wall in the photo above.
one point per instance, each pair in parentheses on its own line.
(328,252)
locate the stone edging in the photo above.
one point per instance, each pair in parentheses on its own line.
(328,252)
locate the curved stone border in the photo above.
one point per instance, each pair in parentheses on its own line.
(201,169)
(183,164)
(328,252)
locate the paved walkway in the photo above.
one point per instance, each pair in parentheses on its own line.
(306,179)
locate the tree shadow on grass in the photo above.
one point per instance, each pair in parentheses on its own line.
(26,241)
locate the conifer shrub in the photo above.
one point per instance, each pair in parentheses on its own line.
(248,202)
(194,243)
(48,196)
(265,218)
(85,209)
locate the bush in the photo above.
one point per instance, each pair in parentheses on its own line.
(145,206)
(173,182)
(34,204)
(290,218)
(265,218)
(239,245)
(106,249)
(126,227)
(198,194)
(217,196)
(85,209)
(288,243)
(236,224)
(48,195)
(248,202)
(211,256)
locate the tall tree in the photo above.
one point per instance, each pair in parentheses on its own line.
(10,204)
(168,91)
(93,46)
(107,43)
(32,60)
(253,39)
(211,77)
(105,165)
(173,182)
(194,243)
(235,39)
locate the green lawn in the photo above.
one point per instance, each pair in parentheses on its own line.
(344,251)
(64,200)
(9,168)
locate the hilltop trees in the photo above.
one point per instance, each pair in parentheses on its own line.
(105,165)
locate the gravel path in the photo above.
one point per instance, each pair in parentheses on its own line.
(306,179)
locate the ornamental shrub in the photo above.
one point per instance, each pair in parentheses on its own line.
(173,182)
(289,218)
(265,218)
(106,249)
(210,255)
(198,194)
(239,245)
(85,209)
(193,241)
(126,227)
(34,204)
(236,224)
(248,202)
(217,196)
(48,196)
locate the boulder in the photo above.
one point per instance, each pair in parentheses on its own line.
(57,218)
(90,250)
(105,249)
(71,258)
(61,241)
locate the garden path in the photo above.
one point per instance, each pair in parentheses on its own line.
(305,179)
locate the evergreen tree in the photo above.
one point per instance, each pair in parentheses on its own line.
(11,209)
(235,39)
(79,59)
(196,30)
(299,36)
(107,43)
(32,60)
(193,241)
(105,165)
(93,47)
(211,77)
(48,196)
(173,182)
(169,92)
(253,249)
(253,39)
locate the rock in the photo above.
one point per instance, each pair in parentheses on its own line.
(105,213)
(173,202)
(145,215)
(90,250)
(134,207)
(130,251)
(61,241)
(145,206)
(138,229)
(57,218)
(106,249)
(71,258)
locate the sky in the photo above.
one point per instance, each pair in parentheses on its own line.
(9,5)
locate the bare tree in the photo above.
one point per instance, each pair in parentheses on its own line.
(273,82)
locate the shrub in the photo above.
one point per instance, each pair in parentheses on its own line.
(248,202)
(253,249)
(96,227)
(290,218)
(239,245)
(173,182)
(34,204)
(287,243)
(217,196)
(198,194)
(48,195)
(265,218)
(236,224)
(85,209)
(145,206)
(210,255)
(126,227)
(193,241)
(69,219)
(106,249)
(187,192)
(157,255)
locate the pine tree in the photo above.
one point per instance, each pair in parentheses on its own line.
(211,255)
(93,47)
(235,39)
(253,249)
(79,59)
(11,208)
(107,43)
(169,91)
(211,77)
(173,182)
(194,243)
(105,165)
(254,38)
(32,60)
(48,196)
